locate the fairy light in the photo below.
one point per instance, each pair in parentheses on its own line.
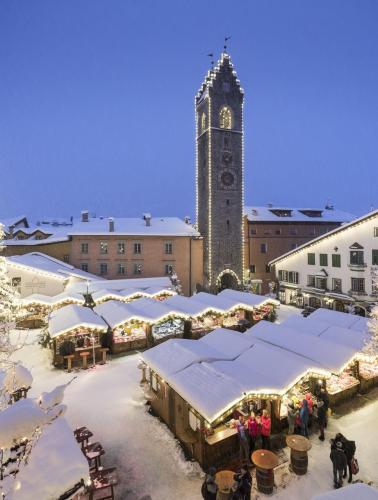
(210,196)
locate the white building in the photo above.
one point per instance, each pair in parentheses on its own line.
(335,270)
(39,273)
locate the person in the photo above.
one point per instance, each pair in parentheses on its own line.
(349,448)
(253,431)
(209,487)
(304,416)
(265,429)
(243,440)
(324,397)
(322,415)
(310,404)
(339,462)
(291,416)
(243,485)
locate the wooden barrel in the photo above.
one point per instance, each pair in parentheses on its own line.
(299,462)
(265,480)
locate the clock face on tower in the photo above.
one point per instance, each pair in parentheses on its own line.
(227,179)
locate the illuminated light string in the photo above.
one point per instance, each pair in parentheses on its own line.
(210,196)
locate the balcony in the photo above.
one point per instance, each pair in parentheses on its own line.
(357,293)
(357,267)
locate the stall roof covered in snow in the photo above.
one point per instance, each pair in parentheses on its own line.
(54,467)
(248,299)
(327,354)
(214,373)
(37,298)
(42,263)
(96,285)
(128,293)
(176,354)
(336,318)
(355,491)
(289,214)
(74,316)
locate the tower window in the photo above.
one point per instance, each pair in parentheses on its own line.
(227,202)
(228,225)
(203,122)
(225,119)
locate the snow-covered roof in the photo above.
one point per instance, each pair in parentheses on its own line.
(187,305)
(343,227)
(350,492)
(8,222)
(54,467)
(272,214)
(247,299)
(330,356)
(97,284)
(159,226)
(215,373)
(176,354)
(336,318)
(38,298)
(128,293)
(45,264)
(74,316)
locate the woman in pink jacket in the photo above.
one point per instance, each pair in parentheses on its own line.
(265,430)
(253,432)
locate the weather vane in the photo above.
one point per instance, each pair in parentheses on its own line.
(225,43)
(212,60)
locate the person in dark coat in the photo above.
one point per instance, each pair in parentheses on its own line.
(349,448)
(325,398)
(339,462)
(209,487)
(304,415)
(322,415)
(243,482)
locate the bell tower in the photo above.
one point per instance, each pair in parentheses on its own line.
(220,175)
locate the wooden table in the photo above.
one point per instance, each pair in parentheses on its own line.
(299,446)
(102,479)
(224,479)
(84,355)
(265,462)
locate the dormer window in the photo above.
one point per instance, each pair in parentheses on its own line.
(281,212)
(225,118)
(312,213)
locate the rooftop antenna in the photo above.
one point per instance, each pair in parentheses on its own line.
(212,60)
(225,43)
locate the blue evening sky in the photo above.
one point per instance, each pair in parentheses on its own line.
(97,102)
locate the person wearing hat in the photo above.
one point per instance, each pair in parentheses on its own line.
(292,414)
(339,462)
(209,487)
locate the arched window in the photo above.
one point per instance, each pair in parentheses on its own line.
(203,122)
(225,118)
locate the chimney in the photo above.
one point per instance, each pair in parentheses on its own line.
(111,225)
(187,219)
(147,218)
(84,216)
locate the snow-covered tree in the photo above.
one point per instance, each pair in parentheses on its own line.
(9,308)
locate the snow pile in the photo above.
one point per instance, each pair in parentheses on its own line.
(15,378)
(19,421)
(56,464)
(49,399)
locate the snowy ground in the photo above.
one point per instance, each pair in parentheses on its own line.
(109,401)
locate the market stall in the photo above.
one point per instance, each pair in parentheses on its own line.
(38,306)
(77,332)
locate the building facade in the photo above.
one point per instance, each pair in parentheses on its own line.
(338,270)
(116,248)
(273,231)
(219,175)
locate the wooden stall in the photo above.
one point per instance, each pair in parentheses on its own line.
(78,336)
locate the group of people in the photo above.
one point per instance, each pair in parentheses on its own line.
(342,458)
(256,426)
(241,489)
(300,414)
